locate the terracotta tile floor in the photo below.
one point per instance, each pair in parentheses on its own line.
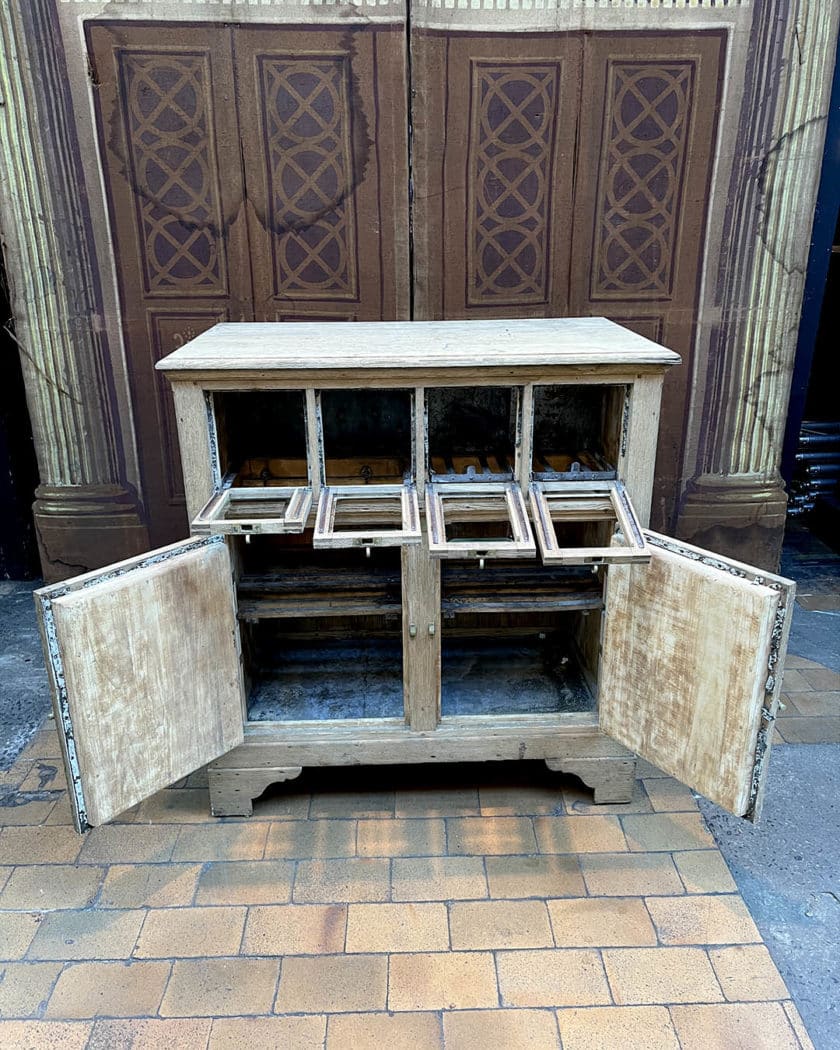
(514,913)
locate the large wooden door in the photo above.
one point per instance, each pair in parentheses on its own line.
(173,172)
(326,171)
(567,174)
(255,173)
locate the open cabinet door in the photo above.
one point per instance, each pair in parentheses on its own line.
(693,653)
(145,673)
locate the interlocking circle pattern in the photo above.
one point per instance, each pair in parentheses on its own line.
(649,110)
(310,162)
(173,168)
(512,134)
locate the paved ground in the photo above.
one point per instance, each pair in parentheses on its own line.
(489,906)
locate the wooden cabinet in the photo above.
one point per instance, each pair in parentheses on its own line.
(416,542)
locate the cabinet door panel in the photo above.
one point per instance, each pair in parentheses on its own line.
(693,652)
(145,673)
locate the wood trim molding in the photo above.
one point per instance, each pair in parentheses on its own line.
(53,293)
(736,483)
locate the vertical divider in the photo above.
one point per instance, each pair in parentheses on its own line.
(315,443)
(419,439)
(524,435)
(421,636)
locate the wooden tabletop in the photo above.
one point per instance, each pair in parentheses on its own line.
(416,345)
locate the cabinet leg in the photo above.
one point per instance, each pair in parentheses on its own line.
(232,791)
(611,779)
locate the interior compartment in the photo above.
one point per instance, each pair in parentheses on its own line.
(262,436)
(532,663)
(367,436)
(324,668)
(576,431)
(472,431)
(285,578)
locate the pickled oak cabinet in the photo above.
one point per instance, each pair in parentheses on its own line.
(416,542)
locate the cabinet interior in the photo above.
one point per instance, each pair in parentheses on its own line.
(261,437)
(322,625)
(518,639)
(321,631)
(576,431)
(366,436)
(471,431)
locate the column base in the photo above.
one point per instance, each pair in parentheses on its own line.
(83,527)
(737,516)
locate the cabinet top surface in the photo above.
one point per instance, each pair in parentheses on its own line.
(404,345)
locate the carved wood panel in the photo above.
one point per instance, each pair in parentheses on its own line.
(251,173)
(494,132)
(173,175)
(326,171)
(568,174)
(644,171)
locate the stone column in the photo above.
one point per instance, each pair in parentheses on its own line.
(86,513)
(736,502)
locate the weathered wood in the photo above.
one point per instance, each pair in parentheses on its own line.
(404,497)
(232,791)
(145,673)
(426,345)
(472,738)
(272,509)
(570,502)
(421,626)
(638,441)
(464,496)
(197,440)
(693,649)
(610,777)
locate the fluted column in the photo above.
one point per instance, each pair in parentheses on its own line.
(736,502)
(85,512)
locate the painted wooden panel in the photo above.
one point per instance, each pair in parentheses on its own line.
(692,656)
(145,673)
(326,169)
(494,141)
(173,175)
(648,134)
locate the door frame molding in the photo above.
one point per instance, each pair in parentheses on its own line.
(89,505)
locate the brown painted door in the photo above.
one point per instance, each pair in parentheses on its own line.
(255,173)
(326,171)
(495,120)
(647,146)
(567,174)
(175,188)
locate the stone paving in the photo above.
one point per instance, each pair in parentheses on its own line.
(493,906)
